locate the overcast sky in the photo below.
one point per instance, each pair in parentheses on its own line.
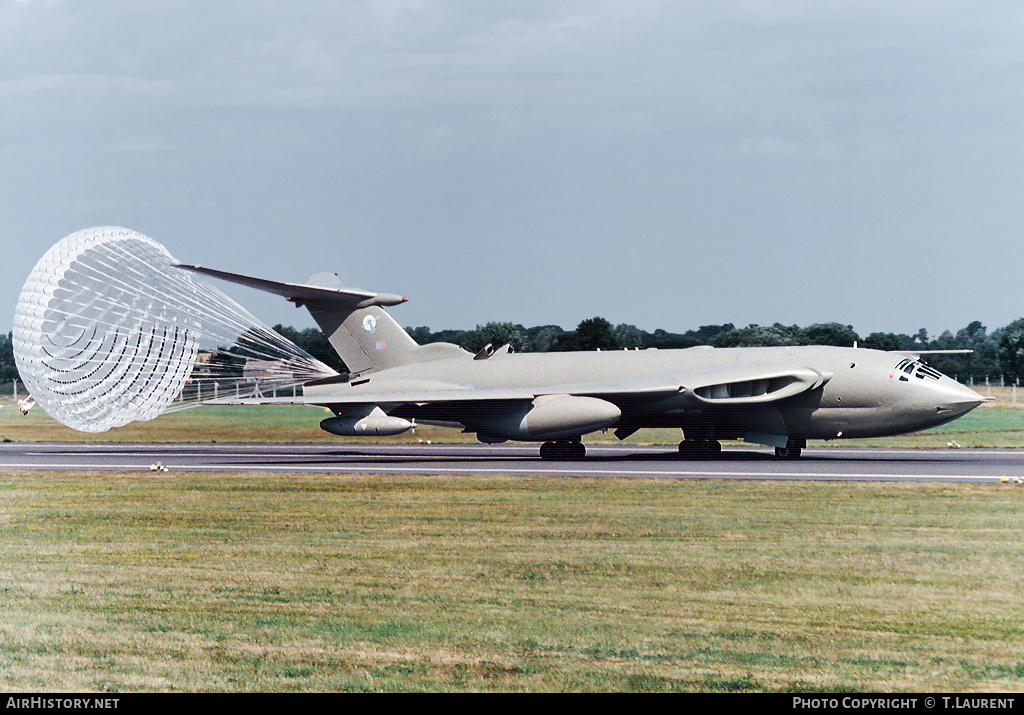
(666,164)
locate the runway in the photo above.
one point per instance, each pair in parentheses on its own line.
(737,462)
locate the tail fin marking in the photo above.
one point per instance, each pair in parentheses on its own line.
(366,338)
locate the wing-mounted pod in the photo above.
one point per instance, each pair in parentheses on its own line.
(547,417)
(369,421)
(746,386)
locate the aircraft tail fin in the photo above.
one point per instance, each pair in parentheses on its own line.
(354,320)
(364,334)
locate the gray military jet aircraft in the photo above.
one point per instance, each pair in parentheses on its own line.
(779,397)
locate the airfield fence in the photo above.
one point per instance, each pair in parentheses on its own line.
(209,389)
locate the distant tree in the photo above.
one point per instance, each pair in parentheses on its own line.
(973,337)
(314,342)
(629,336)
(542,338)
(664,340)
(8,368)
(705,334)
(756,336)
(907,342)
(985,359)
(990,361)
(448,336)
(496,335)
(830,334)
(590,334)
(421,334)
(882,341)
(945,341)
(6,348)
(1011,349)
(289,333)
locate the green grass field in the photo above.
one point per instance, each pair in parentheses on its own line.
(224,582)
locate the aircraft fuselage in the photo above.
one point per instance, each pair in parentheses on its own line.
(862,393)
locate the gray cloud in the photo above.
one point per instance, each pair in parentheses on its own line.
(660,163)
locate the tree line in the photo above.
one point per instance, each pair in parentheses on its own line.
(999,352)
(996,352)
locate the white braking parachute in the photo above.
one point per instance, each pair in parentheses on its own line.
(107,331)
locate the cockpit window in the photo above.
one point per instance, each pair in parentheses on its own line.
(918,369)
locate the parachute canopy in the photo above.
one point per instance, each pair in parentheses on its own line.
(107,331)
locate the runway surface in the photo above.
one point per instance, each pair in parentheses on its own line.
(821,464)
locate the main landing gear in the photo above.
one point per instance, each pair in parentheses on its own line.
(700,448)
(563,449)
(794,446)
(712,449)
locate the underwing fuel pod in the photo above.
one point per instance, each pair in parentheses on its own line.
(110,329)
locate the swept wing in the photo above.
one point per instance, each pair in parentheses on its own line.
(725,387)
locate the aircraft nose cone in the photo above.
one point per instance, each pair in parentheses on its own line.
(953,399)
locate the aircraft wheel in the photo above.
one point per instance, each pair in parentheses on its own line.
(787,452)
(563,449)
(700,448)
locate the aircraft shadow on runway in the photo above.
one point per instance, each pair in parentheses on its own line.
(467,456)
(78,456)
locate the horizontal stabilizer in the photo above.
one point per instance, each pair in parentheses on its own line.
(301,293)
(354,320)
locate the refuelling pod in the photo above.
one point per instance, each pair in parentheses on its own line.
(549,417)
(374,423)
